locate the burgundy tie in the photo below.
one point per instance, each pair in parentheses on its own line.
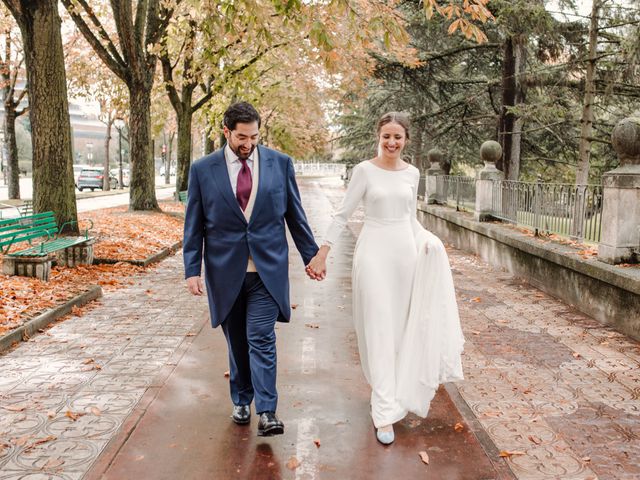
(243,187)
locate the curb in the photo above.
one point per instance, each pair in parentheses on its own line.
(48,317)
(156,257)
(490,449)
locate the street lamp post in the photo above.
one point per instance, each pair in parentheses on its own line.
(119,124)
(90,153)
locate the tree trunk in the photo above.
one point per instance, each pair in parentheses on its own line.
(586,123)
(142,193)
(209,143)
(13,167)
(53,188)
(510,134)
(106,184)
(184,148)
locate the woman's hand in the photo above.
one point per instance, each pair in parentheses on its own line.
(317,268)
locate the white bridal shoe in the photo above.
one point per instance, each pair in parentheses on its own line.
(385,437)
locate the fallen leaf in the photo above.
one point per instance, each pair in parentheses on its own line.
(138,458)
(535,439)
(53,463)
(508,453)
(293,463)
(51,414)
(96,411)
(14,408)
(190,334)
(73,415)
(88,361)
(44,440)
(424,457)
(21,441)
(586,459)
(476,299)
(317,442)
(458,427)
(576,355)
(311,325)
(294,306)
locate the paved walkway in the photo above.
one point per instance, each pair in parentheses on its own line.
(135,388)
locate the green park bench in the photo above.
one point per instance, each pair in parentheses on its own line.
(183,196)
(36,260)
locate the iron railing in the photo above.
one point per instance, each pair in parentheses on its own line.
(574,211)
(456,191)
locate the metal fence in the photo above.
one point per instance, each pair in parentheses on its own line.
(574,211)
(456,191)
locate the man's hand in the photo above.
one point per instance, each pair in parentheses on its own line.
(194,284)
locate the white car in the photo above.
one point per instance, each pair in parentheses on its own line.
(76,173)
(125,175)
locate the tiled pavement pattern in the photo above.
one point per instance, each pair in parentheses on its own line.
(542,379)
(96,367)
(545,381)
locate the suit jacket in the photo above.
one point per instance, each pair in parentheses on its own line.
(216,227)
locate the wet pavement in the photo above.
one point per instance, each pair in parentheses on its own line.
(135,388)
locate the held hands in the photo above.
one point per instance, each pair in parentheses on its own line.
(317,268)
(194,284)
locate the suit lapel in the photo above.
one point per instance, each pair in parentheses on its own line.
(221,179)
(264,184)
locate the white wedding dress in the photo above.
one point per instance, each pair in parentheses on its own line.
(404,305)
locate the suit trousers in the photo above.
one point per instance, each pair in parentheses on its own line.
(251,338)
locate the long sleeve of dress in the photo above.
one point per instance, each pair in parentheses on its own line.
(415,224)
(355,193)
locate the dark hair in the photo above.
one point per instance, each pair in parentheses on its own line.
(400,118)
(241,112)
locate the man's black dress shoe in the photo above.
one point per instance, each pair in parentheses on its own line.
(241,414)
(269,425)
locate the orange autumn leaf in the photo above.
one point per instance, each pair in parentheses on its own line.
(293,463)
(509,454)
(424,456)
(73,415)
(458,427)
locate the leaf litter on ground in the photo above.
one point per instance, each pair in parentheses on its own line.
(120,235)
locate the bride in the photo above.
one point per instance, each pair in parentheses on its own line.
(404,305)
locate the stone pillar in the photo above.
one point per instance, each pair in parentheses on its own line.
(431,184)
(620,242)
(490,153)
(80,254)
(37,267)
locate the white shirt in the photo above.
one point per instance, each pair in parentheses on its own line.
(234,165)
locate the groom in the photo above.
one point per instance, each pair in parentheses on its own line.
(239,199)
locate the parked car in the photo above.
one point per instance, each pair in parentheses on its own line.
(76,173)
(115,172)
(91,178)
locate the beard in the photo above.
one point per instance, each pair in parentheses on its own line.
(241,155)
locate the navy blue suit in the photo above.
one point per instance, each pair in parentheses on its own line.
(246,304)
